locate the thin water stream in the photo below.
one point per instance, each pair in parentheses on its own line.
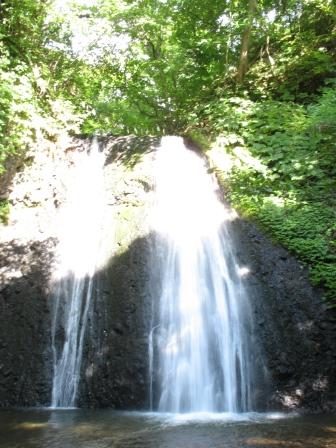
(79,236)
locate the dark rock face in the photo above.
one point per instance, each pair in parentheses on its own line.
(115,365)
(114,370)
(295,334)
(25,349)
(296,331)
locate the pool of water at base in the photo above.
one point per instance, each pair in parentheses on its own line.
(74,428)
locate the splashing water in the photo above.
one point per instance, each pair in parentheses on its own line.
(78,246)
(200,339)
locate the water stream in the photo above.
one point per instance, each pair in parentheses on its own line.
(79,233)
(199,345)
(199,350)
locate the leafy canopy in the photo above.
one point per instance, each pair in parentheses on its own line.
(256,76)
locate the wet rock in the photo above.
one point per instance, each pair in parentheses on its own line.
(296,332)
(25,327)
(295,335)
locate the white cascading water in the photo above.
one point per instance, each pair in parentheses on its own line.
(79,233)
(199,344)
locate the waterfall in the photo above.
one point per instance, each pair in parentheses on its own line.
(79,230)
(199,343)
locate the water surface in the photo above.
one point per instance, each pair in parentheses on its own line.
(106,428)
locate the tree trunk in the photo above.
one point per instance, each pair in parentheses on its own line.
(245,42)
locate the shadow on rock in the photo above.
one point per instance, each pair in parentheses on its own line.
(25,347)
(296,333)
(296,329)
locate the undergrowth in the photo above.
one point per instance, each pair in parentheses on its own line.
(278,162)
(4,211)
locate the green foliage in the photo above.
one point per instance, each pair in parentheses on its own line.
(296,51)
(15,107)
(322,114)
(283,173)
(31,110)
(171,66)
(154,65)
(4,211)
(199,138)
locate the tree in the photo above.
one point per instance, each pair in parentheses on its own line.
(246,41)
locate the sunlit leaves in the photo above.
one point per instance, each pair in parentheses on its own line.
(293,199)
